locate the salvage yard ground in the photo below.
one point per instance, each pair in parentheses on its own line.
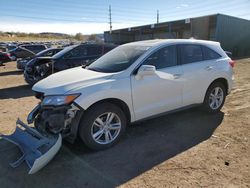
(185,149)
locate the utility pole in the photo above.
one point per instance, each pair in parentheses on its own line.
(157,16)
(110,20)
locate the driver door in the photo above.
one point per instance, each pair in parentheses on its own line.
(162,91)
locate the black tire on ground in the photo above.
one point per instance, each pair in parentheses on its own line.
(90,116)
(206,107)
(30,81)
(14,58)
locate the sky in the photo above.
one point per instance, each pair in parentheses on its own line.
(87,17)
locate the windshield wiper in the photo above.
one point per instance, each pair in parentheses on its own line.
(92,69)
(84,66)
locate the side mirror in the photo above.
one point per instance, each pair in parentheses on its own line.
(145,70)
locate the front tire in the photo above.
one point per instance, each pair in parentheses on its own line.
(28,79)
(102,126)
(13,58)
(215,98)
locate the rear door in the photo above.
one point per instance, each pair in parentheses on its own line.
(197,71)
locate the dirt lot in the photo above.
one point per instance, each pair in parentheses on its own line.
(185,149)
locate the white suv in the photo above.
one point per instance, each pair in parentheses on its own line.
(130,83)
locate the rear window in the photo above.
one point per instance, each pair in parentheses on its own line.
(209,54)
(34,47)
(190,53)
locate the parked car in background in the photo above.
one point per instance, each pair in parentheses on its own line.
(69,57)
(21,52)
(45,53)
(4,57)
(132,82)
(7,47)
(34,47)
(11,47)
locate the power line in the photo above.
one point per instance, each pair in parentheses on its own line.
(127,13)
(118,17)
(54,19)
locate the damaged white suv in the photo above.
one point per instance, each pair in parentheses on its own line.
(132,82)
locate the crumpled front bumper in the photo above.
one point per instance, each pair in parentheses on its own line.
(37,149)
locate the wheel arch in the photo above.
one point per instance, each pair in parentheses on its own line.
(219,80)
(120,103)
(223,81)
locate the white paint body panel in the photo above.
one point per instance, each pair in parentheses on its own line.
(157,93)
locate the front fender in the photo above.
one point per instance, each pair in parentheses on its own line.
(117,89)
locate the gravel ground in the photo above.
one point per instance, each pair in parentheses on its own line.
(185,149)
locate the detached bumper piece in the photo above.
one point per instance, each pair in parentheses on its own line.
(37,149)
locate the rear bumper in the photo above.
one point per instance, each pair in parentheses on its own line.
(230,84)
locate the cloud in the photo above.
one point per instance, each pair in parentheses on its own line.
(69,28)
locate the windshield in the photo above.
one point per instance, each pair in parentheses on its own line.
(42,52)
(62,52)
(118,59)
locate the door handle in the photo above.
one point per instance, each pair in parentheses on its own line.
(208,68)
(176,76)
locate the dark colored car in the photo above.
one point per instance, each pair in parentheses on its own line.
(7,47)
(34,47)
(49,52)
(69,57)
(4,57)
(21,52)
(11,47)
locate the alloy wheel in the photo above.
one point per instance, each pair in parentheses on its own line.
(216,98)
(106,128)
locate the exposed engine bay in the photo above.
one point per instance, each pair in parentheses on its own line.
(55,119)
(38,69)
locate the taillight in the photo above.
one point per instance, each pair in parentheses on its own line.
(232,63)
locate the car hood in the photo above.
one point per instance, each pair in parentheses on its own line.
(64,81)
(39,61)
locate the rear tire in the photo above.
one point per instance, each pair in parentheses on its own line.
(215,98)
(102,126)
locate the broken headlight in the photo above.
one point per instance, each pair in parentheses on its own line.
(58,100)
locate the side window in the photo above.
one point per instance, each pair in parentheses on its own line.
(83,51)
(39,48)
(49,53)
(107,49)
(165,57)
(29,47)
(190,53)
(94,50)
(209,54)
(79,51)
